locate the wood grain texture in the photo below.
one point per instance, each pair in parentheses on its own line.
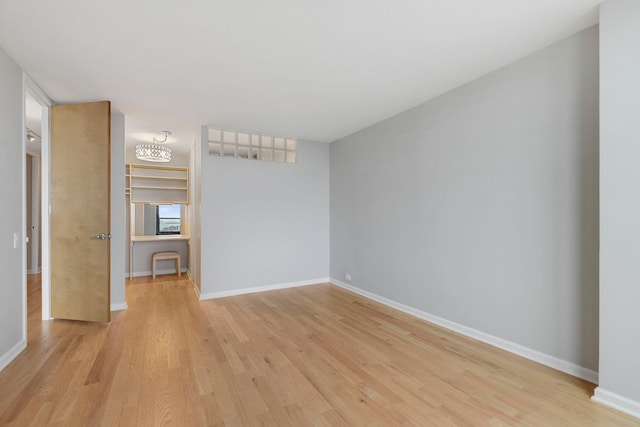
(80,171)
(309,356)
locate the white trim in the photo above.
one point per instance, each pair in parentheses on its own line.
(34,90)
(23,210)
(196,290)
(183,270)
(615,401)
(233,292)
(45,211)
(12,353)
(36,271)
(119,306)
(536,356)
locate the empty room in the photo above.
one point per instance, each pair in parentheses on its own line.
(320,213)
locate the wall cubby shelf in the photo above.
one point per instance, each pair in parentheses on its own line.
(157,184)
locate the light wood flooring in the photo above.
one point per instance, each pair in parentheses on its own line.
(314,355)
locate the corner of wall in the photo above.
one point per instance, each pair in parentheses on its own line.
(615,401)
(13,352)
(528,353)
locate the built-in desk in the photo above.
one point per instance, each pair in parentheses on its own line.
(161,238)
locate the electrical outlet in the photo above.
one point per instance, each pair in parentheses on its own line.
(347,276)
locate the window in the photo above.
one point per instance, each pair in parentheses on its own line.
(168,219)
(245,145)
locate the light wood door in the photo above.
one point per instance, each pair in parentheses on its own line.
(80,165)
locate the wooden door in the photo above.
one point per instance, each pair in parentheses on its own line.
(80,181)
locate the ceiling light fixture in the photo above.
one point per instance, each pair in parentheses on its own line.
(154,152)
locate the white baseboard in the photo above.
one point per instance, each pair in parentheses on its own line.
(233,292)
(158,272)
(536,356)
(12,354)
(195,288)
(616,401)
(119,306)
(34,270)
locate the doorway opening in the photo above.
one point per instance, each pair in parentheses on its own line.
(35,196)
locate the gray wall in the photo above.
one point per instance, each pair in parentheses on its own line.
(143,251)
(620,201)
(148,220)
(264,223)
(11,171)
(481,206)
(194,212)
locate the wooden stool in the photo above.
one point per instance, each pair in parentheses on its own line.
(158,256)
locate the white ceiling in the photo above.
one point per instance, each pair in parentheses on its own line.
(314,70)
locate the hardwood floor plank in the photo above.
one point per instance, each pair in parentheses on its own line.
(309,356)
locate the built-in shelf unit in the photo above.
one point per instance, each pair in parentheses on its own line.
(157,184)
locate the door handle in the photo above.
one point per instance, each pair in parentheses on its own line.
(100,236)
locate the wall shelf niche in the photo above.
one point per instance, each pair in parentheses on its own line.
(157,184)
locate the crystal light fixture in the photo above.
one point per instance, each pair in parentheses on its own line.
(154,152)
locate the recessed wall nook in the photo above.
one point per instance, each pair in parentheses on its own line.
(158,212)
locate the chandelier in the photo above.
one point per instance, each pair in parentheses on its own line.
(154,152)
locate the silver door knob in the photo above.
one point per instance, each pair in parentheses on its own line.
(100,236)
